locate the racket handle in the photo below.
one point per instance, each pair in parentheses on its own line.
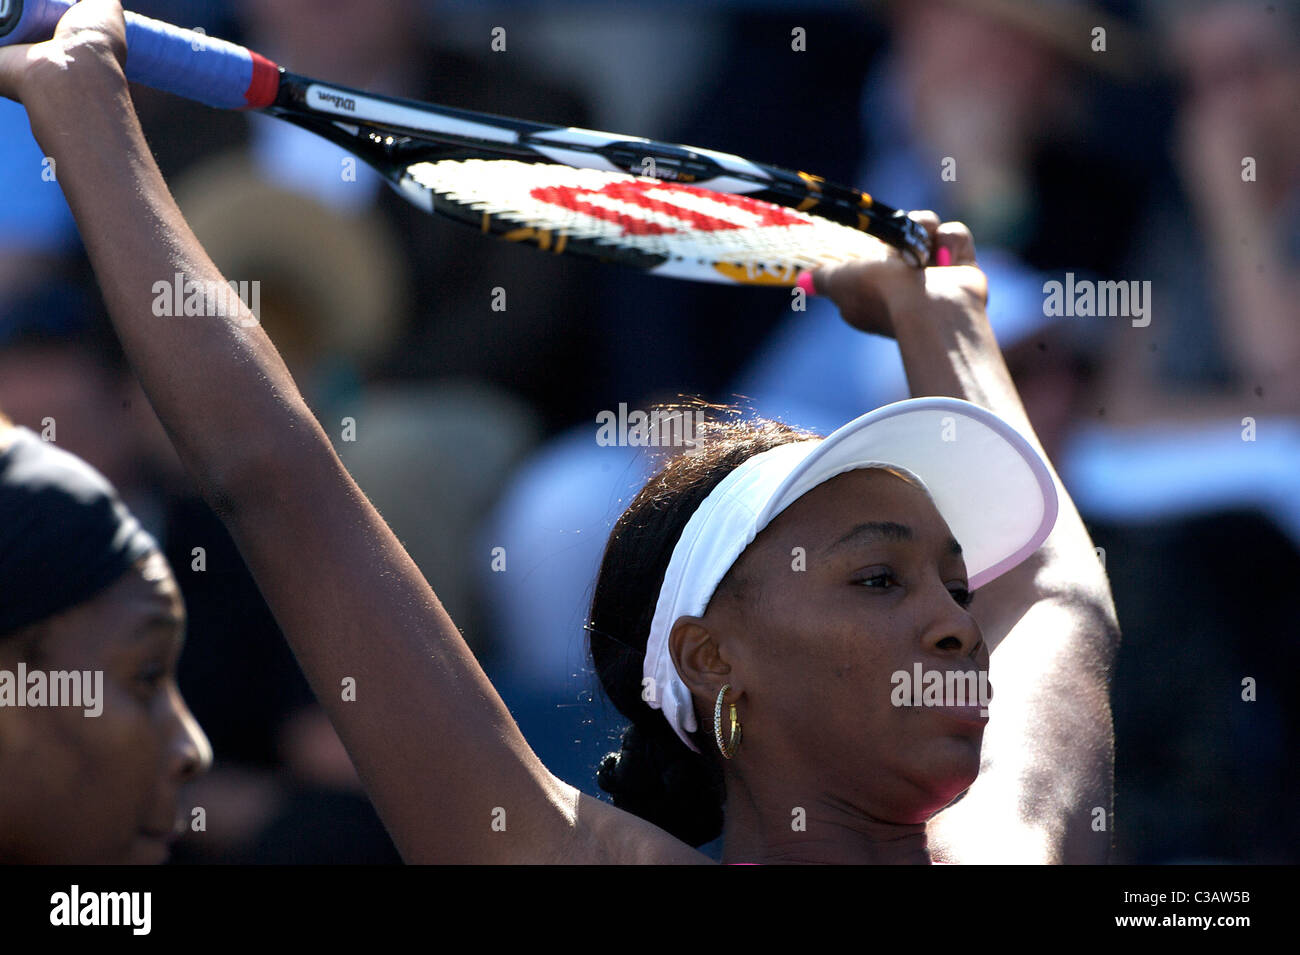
(165,57)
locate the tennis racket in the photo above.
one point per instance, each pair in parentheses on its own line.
(670,209)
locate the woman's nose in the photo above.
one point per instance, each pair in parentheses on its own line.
(191,752)
(952,630)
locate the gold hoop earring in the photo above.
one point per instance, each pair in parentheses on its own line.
(728,750)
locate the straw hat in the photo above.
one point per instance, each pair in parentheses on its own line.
(331,282)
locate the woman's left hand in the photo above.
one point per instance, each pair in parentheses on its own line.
(876,294)
(89,42)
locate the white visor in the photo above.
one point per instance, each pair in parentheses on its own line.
(990,485)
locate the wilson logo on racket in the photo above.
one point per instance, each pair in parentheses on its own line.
(645,195)
(342,102)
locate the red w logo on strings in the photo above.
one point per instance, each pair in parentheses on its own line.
(634,193)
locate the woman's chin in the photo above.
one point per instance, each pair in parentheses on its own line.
(953,772)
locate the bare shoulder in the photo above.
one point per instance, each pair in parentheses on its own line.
(612,836)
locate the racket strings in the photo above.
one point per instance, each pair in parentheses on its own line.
(613,210)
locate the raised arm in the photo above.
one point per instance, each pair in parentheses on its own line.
(439,754)
(1047,766)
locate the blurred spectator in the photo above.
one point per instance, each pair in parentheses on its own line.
(1221,243)
(332,287)
(1003,115)
(1190,456)
(61,375)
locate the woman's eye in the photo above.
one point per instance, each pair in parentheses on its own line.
(884,580)
(151,677)
(878,581)
(962,595)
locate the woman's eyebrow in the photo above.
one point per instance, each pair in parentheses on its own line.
(871,531)
(152,631)
(158,624)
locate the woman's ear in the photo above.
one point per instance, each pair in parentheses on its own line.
(700,659)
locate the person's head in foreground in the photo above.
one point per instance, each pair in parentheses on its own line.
(804,576)
(95,739)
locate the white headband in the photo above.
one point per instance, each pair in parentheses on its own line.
(724,524)
(989,484)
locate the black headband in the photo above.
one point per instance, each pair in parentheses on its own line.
(65,535)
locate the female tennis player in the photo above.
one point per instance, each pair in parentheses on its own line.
(87,603)
(756,608)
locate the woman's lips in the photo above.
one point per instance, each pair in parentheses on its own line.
(167,832)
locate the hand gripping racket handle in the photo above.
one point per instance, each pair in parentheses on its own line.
(165,57)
